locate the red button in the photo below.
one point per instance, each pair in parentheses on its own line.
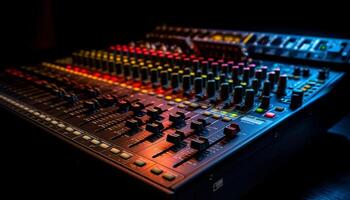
(270,115)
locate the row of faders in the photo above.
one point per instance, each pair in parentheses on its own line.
(162,115)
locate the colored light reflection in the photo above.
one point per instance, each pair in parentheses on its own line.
(159,91)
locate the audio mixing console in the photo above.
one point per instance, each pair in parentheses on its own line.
(175,115)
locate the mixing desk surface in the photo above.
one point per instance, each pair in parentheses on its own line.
(168,111)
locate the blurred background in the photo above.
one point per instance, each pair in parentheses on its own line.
(36,30)
(35,26)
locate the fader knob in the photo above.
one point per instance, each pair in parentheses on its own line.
(224,91)
(154,77)
(232,130)
(137,108)
(123,105)
(155,127)
(296,99)
(322,74)
(249,98)
(126,70)
(238,94)
(258,74)
(277,74)
(154,113)
(235,74)
(246,74)
(135,72)
(266,88)
(91,105)
(106,100)
(264,72)
(198,125)
(211,88)
(297,71)
(200,144)
(265,102)
(271,78)
(71,98)
(133,124)
(177,118)
(255,85)
(252,69)
(118,68)
(175,81)
(198,85)
(186,83)
(164,78)
(306,72)
(282,85)
(176,138)
(214,68)
(144,74)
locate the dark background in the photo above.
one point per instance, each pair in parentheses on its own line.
(29,27)
(36,30)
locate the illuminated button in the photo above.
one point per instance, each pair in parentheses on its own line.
(187,102)
(279,109)
(259,110)
(42,116)
(204,107)
(114,150)
(48,119)
(54,122)
(77,133)
(125,155)
(168,97)
(69,129)
(104,146)
(85,137)
(223,112)
(140,163)
(168,177)
(36,113)
(307,86)
(226,119)
(94,141)
(269,115)
(171,103)
(61,125)
(178,100)
(206,113)
(181,106)
(216,116)
(194,105)
(156,171)
(233,115)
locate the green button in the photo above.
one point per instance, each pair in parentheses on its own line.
(169,177)
(259,110)
(140,163)
(156,171)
